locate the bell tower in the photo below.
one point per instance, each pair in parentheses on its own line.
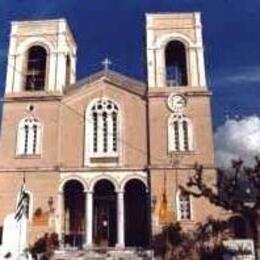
(175,50)
(42,56)
(179,114)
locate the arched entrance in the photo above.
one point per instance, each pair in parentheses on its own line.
(105,214)
(74,213)
(136,214)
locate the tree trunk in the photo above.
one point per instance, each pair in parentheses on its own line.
(257,242)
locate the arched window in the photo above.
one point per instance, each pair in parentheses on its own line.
(176,64)
(180,136)
(29,137)
(36,69)
(102,129)
(184,207)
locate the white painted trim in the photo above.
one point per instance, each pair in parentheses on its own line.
(107,177)
(33,41)
(174,36)
(133,177)
(20,139)
(88,148)
(78,178)
(171,133)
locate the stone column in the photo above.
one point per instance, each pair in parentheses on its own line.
(60,218)
(120,220)
(89,218)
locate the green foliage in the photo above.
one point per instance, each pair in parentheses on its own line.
(45,246)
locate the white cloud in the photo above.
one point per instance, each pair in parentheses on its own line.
(237,139)
(241,75)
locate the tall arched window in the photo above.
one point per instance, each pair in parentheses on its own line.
(29,137)
(176,64)
(180,134)
(36,69)
(184,207)
(102,128)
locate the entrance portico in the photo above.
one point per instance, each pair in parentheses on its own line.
(106,202)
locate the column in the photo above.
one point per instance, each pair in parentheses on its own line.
(192,67)
(60,219)
(120,220)
(89,218)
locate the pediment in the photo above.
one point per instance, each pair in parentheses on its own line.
(111,77)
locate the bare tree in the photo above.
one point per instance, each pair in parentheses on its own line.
(238,190)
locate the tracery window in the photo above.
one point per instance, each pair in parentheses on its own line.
(180,135)
(29,136)
(36,69)
(184,211)
(176,64)
(103,128)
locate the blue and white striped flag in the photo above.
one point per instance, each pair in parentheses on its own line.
(21,204)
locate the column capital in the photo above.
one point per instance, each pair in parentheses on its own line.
(88,191)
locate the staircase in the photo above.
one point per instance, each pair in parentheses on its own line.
(103,254)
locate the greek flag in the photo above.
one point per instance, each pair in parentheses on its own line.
(21,205)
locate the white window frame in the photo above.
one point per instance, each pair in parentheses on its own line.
(171,134)
(20,146)
(89,134)
(178,207)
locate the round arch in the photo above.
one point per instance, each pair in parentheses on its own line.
(136,207)
(72,178)
(89,143)
(133,177)
(93,101)
(103,177)
(165,39)
(35,41)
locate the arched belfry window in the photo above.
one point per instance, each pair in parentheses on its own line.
(176,64)
(102,129)
(35,77)
(29,136)
(180,134)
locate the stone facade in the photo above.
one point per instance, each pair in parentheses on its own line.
(142,138)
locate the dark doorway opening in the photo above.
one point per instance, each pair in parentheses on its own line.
(105,214)
(74,213)
(136,214)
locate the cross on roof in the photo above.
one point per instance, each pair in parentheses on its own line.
(106,63)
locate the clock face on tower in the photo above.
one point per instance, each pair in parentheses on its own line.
(176,103)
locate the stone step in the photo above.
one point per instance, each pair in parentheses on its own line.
(103,254)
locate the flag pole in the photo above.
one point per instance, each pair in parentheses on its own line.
(21,197)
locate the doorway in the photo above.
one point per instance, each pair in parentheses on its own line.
(136,214)
(105,214)
(74,213)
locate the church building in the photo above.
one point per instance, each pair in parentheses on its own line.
(103,157)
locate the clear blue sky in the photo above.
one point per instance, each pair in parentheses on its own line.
(116,28)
